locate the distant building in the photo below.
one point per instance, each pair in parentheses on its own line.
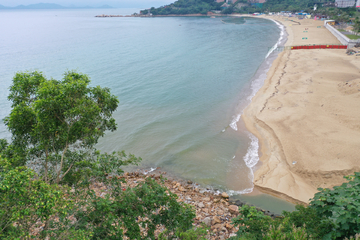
(227,1)
(358,4)
(345,3)
(225,5)
(256,1)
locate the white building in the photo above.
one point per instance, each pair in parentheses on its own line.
(358,4)
(345,3)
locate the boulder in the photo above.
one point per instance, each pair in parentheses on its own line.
(216,220)
(207,221)
(228,226)
(225,195)
(233,209)
(206,199)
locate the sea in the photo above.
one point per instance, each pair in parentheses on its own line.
(182,83)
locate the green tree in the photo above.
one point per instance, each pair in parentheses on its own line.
(341,205)
(332,214)
(357,25)
(25,202)
(51,120)
(56,125)
(135,212)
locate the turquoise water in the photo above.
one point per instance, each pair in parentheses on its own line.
(182,82)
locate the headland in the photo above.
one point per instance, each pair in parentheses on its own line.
(306,115)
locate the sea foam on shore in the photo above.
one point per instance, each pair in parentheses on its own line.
(251,157)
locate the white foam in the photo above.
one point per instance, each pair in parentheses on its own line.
(279,40)
(151,170)
(251,157)
(257,83)
(245,191)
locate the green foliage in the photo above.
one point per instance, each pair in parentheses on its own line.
(51,120)
(134,213)
(302,224)
(251,222)
(187,7)
(199,233)
(341,205)
(55,125)
(25,202)
(95,166)
(228,10)
(287,5)
(316,225)
(280,233)
(332,214)
(357,25)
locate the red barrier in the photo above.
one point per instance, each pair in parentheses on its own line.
(319,47)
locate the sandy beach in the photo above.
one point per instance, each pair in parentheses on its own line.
(306,116)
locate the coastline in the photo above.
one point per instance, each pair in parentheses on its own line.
(305,145)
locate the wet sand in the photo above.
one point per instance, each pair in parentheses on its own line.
(307,116)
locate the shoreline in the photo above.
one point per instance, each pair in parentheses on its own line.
(297,140)
(251,158)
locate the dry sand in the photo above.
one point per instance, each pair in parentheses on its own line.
(307,116)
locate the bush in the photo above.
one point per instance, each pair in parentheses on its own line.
(341,205)
(332,214)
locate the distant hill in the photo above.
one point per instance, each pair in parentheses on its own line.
(180,7)
(3,7)
(105,6)
(41,6)
(48,6)
(186,7)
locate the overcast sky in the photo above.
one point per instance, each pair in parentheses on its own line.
(93,3)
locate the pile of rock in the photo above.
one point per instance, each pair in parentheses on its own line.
(215,211)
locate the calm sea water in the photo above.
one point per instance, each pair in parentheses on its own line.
(182,82)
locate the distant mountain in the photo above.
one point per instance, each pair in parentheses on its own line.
(3,7)
(105,6)
(41,6)
(47,6)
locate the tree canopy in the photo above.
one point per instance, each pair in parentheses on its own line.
(53,119)
(47,170)
(187,7)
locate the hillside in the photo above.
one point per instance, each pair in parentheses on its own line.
(292,5)
(240,6)
(186,7)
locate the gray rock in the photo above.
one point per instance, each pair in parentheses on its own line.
(207,221)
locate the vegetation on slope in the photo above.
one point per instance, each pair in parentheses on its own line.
(55,125)
(186,7)
(331,214)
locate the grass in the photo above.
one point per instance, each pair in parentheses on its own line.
(341,30)
(353,37)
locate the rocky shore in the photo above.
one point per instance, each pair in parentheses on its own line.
(213,209)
